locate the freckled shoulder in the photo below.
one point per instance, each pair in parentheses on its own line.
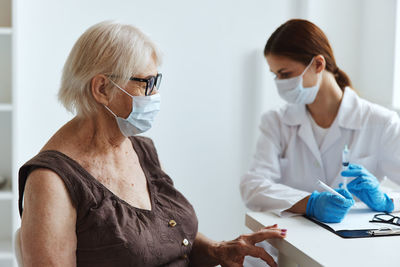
(47,190)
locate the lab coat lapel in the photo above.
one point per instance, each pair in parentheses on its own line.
(306,134)
(296,115)
(351,111)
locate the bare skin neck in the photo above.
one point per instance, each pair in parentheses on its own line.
(95,135)
(326,105)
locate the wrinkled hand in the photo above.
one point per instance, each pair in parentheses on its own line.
(366,187)
(232,253)
(327,207)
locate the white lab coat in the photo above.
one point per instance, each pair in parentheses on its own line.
(288,161)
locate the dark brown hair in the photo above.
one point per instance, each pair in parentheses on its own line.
(301,40)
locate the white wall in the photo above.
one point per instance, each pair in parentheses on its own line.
(213,76)
(377,47)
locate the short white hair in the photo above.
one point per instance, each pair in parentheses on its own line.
(105,48)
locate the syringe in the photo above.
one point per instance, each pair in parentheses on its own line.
(345,163)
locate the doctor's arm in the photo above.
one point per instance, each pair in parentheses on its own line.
(48,235)
(388,164)
(261,187)
(365,185)
(390,154)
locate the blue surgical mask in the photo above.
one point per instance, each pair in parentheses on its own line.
(144,110)
(292,89)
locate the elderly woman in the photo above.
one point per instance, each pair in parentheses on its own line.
(96,195)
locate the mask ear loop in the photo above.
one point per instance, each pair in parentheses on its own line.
(312,60)
(110,110)
(122,91)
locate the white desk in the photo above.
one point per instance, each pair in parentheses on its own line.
(309,245)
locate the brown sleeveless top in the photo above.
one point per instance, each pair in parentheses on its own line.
(110,232)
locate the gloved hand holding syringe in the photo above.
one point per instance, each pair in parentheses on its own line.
(364,185)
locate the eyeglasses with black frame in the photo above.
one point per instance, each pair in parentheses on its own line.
(151,82)
(386,218)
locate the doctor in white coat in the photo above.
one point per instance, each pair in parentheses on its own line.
(303,141)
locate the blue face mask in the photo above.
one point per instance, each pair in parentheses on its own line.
(144,110)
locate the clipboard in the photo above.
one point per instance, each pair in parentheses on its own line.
(356,233)
(357,224)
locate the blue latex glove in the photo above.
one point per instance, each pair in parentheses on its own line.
(327,207)
(366,188)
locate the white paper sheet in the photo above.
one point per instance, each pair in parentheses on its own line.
(358,218)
